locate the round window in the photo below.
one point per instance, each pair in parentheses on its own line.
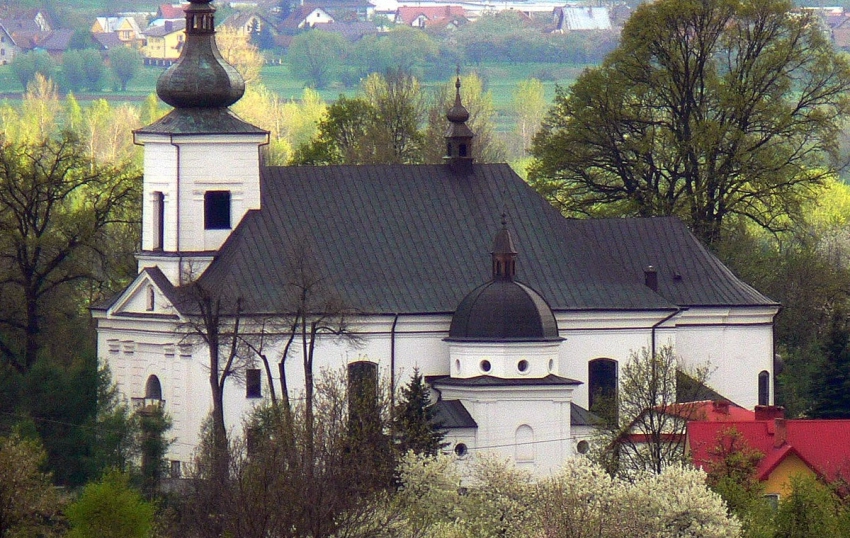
(583,447)
(485,366)
(461,450)
(522,366)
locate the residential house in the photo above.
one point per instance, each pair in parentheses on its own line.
(56,42)
(305,16)
(788,447)
(163,44)
(422,16)
(581,19)
(352,31)
(249,23)
(168,12)
(8,48)
(125,29)
(513,313)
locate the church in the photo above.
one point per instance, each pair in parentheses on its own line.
(516,315)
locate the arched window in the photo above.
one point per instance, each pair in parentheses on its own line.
(153,389)
(764,387)
(524,444)
(602,387)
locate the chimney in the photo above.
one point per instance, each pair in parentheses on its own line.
(169,26)
(780,433)
(769,412)
(650,278)
(721,407)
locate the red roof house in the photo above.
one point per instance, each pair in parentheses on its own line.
(419,16)
(790,447)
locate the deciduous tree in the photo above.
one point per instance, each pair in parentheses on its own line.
(315,56)
(708,109)
(125,63)
(29,504)
(57,211)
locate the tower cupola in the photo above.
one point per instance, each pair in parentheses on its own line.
(459,135)
(201,78)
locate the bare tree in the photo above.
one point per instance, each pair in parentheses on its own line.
(656,398)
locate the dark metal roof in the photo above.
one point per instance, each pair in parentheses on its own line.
(579,416)
(688,274)
(451,414)
(490,381)
(503,310)
(416,239)
(188,121)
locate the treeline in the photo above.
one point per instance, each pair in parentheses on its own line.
(323,58)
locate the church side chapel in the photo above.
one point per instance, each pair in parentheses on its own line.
(515,315)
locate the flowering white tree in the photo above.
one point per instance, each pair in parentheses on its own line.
(584,501)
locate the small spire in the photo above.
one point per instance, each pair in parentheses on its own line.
(504,253)
(459,135)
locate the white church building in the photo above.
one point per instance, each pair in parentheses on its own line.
(516,315)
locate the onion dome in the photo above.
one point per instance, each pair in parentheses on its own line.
(503,309)
(200,78)
(458,113)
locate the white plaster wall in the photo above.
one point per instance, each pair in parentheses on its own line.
(136,348)
(501,411)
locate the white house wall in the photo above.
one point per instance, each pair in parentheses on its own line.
(137,347)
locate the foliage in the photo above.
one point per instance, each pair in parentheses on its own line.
(381,126)
(529,106)
(831,381)
(115,430)
(739,119)
(315,56)
(415,426)
(110,508)
(275,486)
(812,509)
(648,433)
(29,64)
(125,63)
(239,52)
(153,423)
(29,504)
(583,501)
(57,209)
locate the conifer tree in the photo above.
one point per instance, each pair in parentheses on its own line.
(414,424)
(831,382)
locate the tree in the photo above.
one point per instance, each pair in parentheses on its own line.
(709,109)
(382,126)
(414,422)
(73,74)
(238,51)
(582,502)
(831,381)
(57,210)
(93,69)
(315,55)
(29,504)
(647,432)
(125,63)
(276,487)
(27,65)
(812,509)
(529,105)
(111,508)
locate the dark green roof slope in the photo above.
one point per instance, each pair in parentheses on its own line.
(417,238)
(191,121)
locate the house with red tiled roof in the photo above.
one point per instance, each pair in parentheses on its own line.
(422,16)
(789,447)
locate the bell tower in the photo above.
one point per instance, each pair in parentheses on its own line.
(201,161)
